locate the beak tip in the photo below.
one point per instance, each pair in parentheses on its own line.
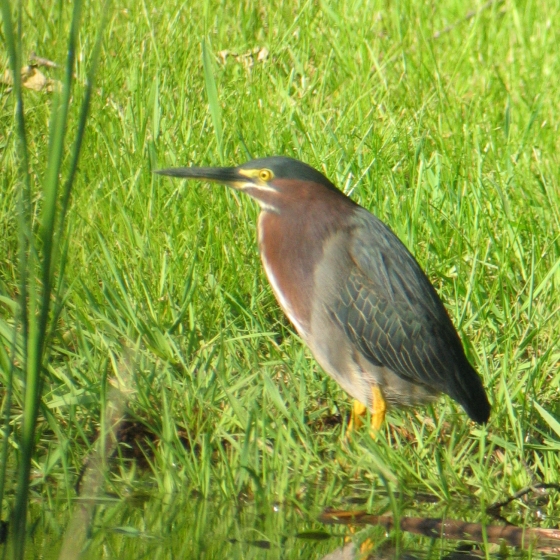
(213,174)
(162,171)
(180,172)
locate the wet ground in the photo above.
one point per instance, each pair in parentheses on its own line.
(145,525)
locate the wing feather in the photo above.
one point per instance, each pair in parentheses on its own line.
(390,310)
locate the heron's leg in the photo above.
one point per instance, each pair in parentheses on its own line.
(356,420)
(378,408)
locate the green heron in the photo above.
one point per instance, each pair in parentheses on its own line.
(352,290)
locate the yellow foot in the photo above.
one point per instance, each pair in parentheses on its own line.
(359,410)
(356,421)
(366,547)
(378,408)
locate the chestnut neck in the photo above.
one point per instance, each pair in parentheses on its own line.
(295,222)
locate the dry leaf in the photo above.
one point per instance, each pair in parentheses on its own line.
(223,55)
(31,78)
(7,79)
(260,54)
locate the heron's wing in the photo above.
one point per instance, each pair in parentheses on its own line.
(390,310)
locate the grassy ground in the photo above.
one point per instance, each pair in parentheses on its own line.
(452,138)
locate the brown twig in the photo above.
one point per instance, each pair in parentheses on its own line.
(40,61)
(537,488)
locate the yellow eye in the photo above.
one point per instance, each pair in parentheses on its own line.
(265,174)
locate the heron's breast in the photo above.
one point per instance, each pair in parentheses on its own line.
(289,257)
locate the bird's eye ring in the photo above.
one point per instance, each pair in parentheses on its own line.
(265,175)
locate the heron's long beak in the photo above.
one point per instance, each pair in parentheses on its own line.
(227,175)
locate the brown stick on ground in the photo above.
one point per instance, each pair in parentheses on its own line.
(451,529)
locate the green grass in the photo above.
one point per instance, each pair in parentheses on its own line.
(452,141)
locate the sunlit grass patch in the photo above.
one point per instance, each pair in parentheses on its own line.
(453,141)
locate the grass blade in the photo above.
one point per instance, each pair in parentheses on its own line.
(548,418)
(40,260)
(212,92)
